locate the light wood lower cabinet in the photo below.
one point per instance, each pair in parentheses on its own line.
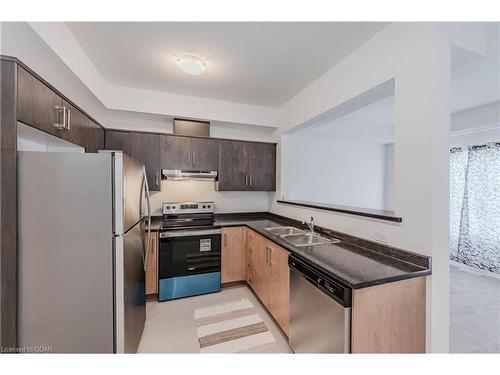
(269,276)
(257,266)
(279,285)
(389,318)
(152,265)
(233,254)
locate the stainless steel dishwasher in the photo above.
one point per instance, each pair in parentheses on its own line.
(320,311)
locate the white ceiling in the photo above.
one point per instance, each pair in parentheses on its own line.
(253,63)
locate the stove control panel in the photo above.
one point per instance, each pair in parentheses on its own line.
(176,208)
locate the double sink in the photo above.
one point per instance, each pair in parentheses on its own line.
(298,237)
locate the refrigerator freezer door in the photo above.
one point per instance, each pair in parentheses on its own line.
(130,289)
(65,252)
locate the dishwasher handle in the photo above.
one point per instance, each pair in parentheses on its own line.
(333,288)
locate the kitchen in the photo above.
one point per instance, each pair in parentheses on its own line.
(218,218)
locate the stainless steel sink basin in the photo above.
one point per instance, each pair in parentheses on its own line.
(307,239)
(284,231)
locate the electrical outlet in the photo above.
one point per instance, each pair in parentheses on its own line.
(380,237)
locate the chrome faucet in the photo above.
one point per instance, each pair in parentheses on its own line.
(310,225)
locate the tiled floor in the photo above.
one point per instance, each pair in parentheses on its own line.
(170,326)
(474,311)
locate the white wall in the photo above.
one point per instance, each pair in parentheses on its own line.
(227,201)
(476,137)
(477,125)
(389,177)
(31,139)
(339,172)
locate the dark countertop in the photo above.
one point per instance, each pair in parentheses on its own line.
(355,266)
(155,223)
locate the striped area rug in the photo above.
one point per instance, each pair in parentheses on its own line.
(233,327)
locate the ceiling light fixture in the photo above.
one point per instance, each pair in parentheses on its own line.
(191,65)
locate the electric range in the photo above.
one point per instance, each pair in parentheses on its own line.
(189,260)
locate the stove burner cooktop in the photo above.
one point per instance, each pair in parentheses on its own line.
(187,214)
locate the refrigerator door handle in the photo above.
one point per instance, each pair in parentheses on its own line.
(148,243)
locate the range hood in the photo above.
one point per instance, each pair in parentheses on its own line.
(180,175)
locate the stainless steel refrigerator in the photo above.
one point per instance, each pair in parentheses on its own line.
(83,228)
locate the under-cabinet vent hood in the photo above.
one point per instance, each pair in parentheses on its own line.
(179,175)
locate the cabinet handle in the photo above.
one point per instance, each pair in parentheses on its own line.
(225,239)
(250,178)
(270,257)
(246,179)
(59,109)
(68,120)
(192,158)
(157,179)
(189,158)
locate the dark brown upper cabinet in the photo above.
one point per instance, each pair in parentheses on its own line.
(261,166)
(175,152)
(118,141)
(189,153)
(146,148)
(77,124)
(37,104)
(40,106)
(95,137)
(205,154)
(246,166)
(233,166)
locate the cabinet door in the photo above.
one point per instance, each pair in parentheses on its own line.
(232,166)
(117,140)
(233,255)
(250,273)
(279,283)
(77,123)
(95,137)
(36,103)
(205,154)
(253,261)
(152,265)
(146,148)
(262,166)
(176,152)
(259,277)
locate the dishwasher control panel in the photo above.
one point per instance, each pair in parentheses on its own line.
(334,288)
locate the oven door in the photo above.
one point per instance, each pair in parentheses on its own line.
(189,263)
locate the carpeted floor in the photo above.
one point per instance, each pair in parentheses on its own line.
(474,310)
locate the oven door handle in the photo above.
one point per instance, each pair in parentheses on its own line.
(189,233)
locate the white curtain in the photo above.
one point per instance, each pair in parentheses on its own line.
(475,206)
